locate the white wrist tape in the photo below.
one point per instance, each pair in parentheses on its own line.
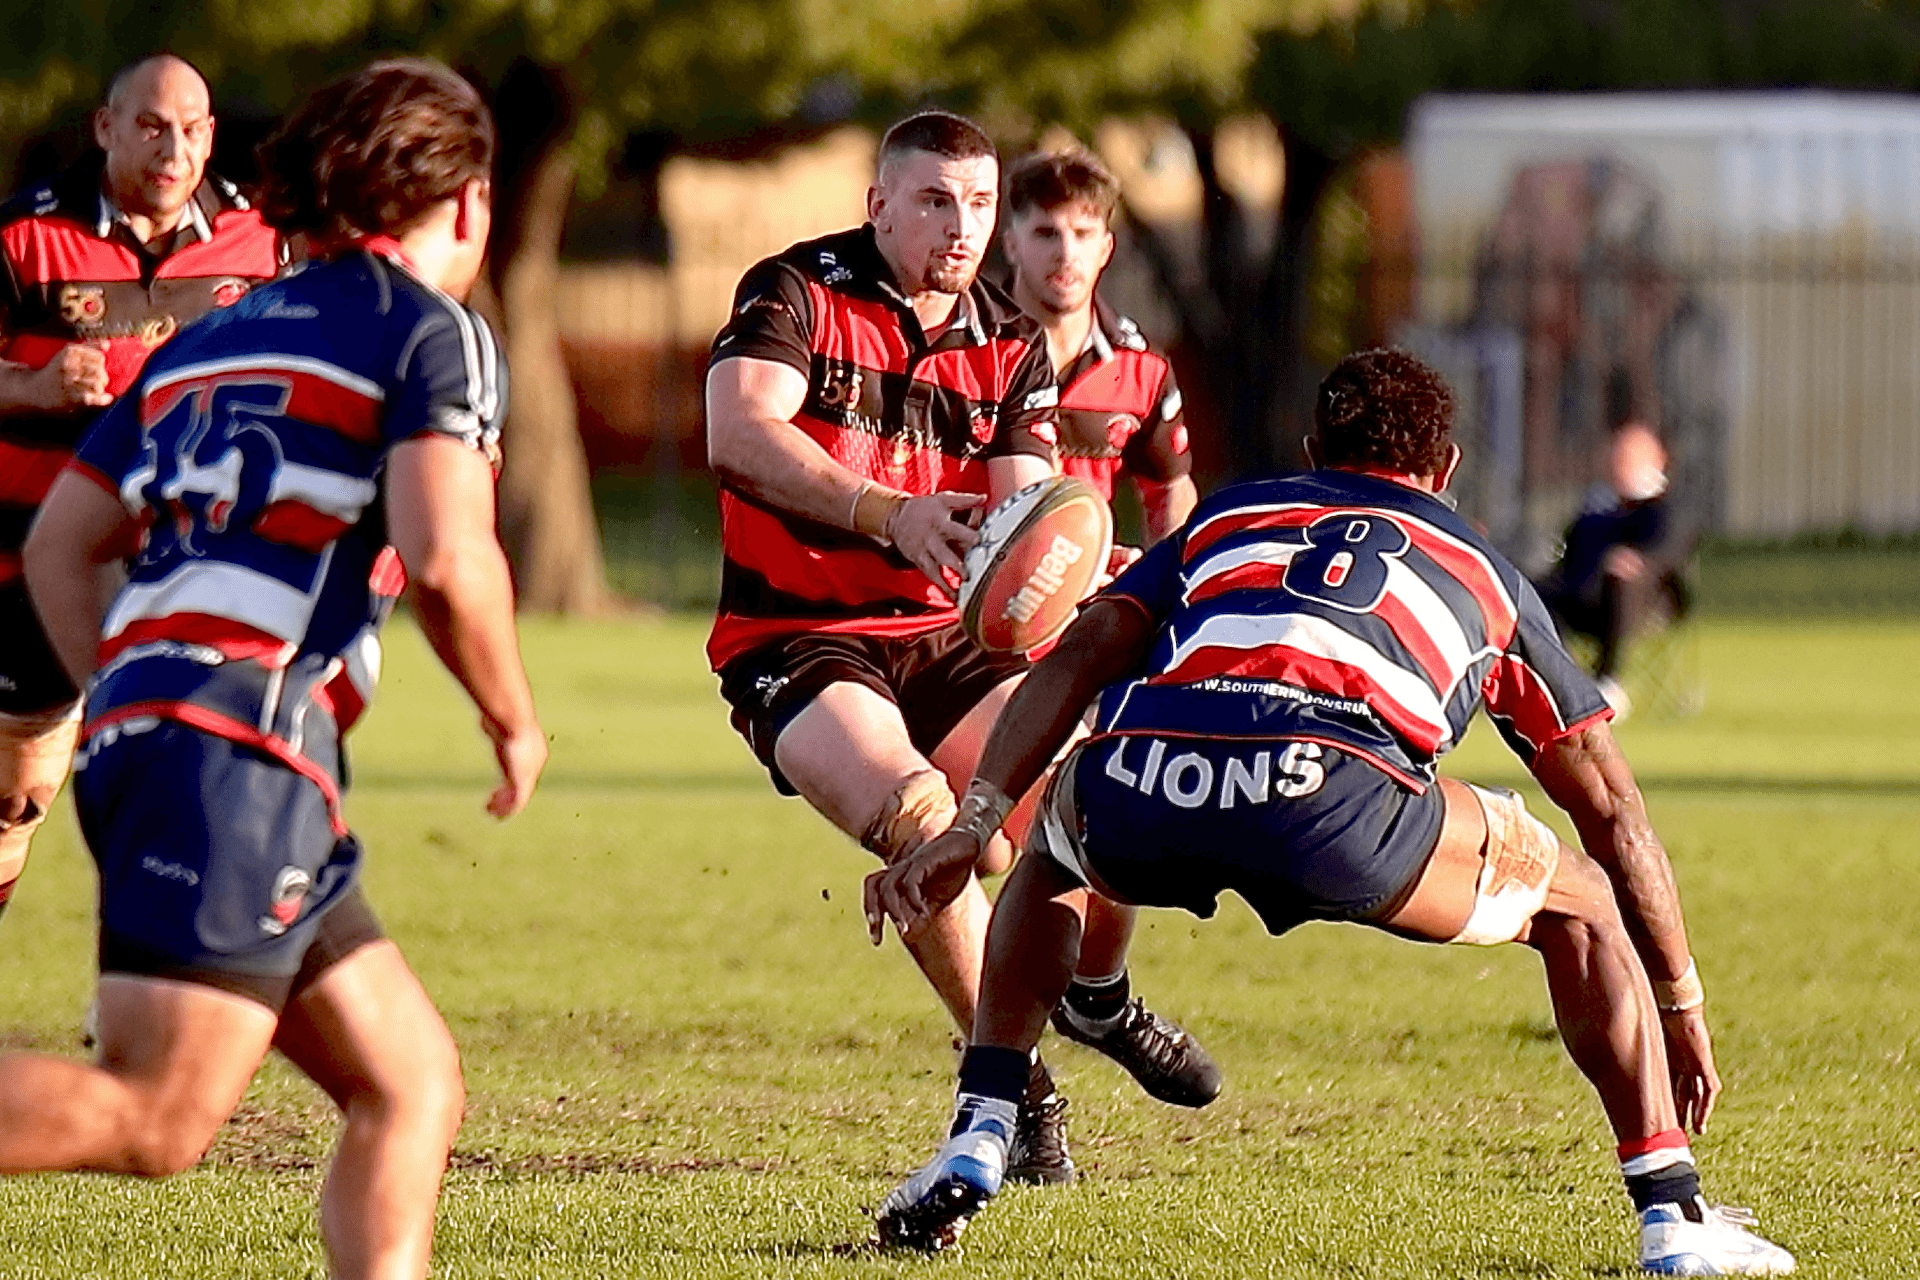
(1683,993)
(982,810)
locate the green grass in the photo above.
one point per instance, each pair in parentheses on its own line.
(685,1061)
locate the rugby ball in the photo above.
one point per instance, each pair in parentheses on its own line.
(1039,554)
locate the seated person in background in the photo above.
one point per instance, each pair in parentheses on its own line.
(1623,557)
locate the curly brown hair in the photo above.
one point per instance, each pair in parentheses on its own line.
(372,151)
(1384,408)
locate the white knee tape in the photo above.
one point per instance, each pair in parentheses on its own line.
(1521,856)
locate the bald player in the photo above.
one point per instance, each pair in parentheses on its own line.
(97,269)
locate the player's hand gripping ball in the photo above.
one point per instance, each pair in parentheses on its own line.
(1039,554)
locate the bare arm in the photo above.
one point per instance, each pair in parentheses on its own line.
(440,516)
(1008,475)
(1167,505)
(71,562)
(1106,643)
(1586,775)
(753,445)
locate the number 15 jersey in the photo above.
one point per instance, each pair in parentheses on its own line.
(1347,609)
(250,456)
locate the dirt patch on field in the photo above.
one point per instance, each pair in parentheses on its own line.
(590,1163)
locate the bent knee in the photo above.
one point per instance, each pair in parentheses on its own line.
(160,1149)
(430,1093)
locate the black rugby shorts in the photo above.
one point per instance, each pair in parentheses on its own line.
(935,678)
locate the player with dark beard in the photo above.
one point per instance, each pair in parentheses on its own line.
(869,392)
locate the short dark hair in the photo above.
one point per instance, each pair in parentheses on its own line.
(372,151)
(941,132)
(1047,180)
(1386,408)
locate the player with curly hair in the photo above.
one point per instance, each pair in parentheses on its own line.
(1275,685)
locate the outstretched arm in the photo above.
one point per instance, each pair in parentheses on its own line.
(1586,775)
(1106,643)
(440,518)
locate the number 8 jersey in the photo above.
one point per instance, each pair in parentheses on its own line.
(249,457)
(1348,609)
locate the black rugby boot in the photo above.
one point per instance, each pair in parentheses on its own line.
(1167,1062)
(1038,1153)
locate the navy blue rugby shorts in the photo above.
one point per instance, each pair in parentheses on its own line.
(1300,830)
(217,864)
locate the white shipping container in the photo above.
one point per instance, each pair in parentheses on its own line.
(1794,215)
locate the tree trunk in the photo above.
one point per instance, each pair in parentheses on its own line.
(546,506)
(1248,317)
(1285,301)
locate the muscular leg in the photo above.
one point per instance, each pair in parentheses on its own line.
(1602,1001)
(367,1033)
(175,1057)
(1032,947)
(848,753)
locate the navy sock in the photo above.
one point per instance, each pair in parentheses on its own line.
(1100,999)
(993,1071)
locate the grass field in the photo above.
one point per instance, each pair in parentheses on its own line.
(685,1061)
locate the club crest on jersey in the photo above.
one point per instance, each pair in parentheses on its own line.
(283,907)
(985,418)
(83,305)
(229,291)
(841,390)
(1120,429)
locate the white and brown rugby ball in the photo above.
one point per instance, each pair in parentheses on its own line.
(1039,553)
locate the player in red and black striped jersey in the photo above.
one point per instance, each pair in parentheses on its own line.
(868,390)
(1119,414)
(97,269)
(1119,404)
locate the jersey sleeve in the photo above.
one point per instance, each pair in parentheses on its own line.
(1535,693)
(1159,452)
(1152,581)
(453,383)
(1029,415)
(113,448)
(772,319)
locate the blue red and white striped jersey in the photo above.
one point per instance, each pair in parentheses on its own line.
(1346,609)
(249,454)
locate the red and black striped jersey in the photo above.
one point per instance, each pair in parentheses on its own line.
(71,270)
(1347,609)
(912,413)
(1120,409)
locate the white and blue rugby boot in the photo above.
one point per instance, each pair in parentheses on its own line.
(930,1209)
(1716,1243)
